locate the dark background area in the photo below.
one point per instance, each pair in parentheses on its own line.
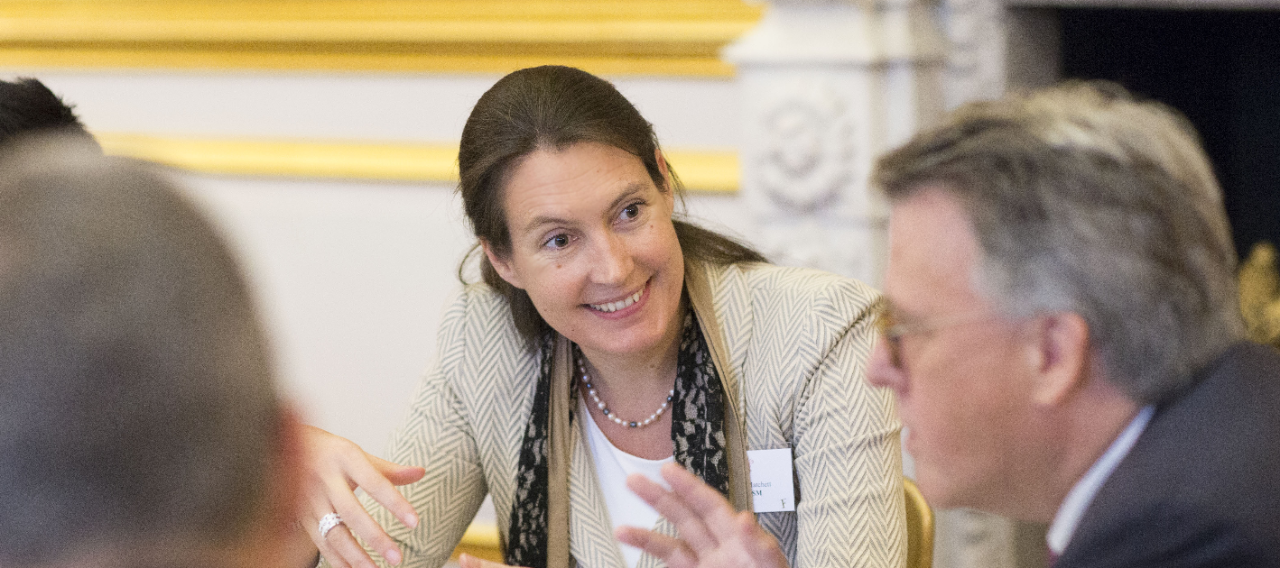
(1221,69)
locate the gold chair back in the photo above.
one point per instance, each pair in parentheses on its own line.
(919,527)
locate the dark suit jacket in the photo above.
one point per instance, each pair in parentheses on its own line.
(1201,486)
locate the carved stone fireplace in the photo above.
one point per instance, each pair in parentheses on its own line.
(839,81)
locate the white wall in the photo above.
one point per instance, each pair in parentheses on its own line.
(698,113)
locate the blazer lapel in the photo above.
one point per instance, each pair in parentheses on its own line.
(590,528)
(702,300)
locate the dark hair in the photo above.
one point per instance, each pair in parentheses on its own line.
(28,106)
(555,107)
(1084,199)
(137,406)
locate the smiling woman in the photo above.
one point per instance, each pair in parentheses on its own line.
(593,246)
(609,337)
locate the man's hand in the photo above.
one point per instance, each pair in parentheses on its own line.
(712,534)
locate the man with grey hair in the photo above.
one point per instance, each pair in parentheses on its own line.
(139,421)
(1062,334)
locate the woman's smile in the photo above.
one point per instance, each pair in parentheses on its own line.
(593,244)
(619,308)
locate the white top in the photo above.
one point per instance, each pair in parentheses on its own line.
(612,468)
(1081,495)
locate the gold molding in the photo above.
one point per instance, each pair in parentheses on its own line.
(703,171)
(481,541)
(495,36)
(1259,291)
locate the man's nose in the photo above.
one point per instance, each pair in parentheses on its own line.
(881,372)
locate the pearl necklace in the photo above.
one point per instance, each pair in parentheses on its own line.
(604,408)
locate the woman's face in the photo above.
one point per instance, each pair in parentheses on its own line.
(593,245)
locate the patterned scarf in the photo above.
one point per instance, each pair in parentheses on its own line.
(697,431)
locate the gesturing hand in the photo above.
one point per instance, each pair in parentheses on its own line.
(336,467)
(712,534)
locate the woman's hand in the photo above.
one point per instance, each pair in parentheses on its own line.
(712,534)
(336,467)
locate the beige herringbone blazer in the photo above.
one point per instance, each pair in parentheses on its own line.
(798,341)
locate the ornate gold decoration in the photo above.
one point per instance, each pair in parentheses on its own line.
(1260,294)
(664,37)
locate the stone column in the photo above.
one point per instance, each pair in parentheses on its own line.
(827,86)
(976,34)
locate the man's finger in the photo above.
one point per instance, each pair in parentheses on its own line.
(671,506)
(712,509)
(672,551)
(761,547)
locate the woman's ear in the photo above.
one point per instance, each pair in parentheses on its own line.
(669,191)
(1060,356)
(662,167)
(502,265)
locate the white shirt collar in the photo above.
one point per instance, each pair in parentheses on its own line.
(1081,495)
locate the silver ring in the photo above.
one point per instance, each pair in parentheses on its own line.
(327,523)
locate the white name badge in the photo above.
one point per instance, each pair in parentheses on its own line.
(772,488)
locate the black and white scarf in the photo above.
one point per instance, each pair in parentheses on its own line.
(697,431)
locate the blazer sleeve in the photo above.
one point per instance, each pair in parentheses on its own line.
(437,436)
(847,449)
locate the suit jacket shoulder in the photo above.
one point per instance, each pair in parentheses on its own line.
(1201,486)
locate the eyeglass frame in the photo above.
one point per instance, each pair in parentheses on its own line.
(892,333)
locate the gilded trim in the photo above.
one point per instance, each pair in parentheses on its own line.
(481,541)
(700,170)
(495,36)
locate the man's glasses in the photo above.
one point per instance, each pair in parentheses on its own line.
(893,331)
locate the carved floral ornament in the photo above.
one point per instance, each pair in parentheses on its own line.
(808,148)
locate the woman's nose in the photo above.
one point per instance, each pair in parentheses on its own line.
(613,263)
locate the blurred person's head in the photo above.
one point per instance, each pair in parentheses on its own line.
(139,420)
(1057,260)
(27,106)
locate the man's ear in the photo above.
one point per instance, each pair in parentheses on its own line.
(502,265)
(1060,356)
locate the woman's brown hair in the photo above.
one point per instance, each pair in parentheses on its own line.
(554,107)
